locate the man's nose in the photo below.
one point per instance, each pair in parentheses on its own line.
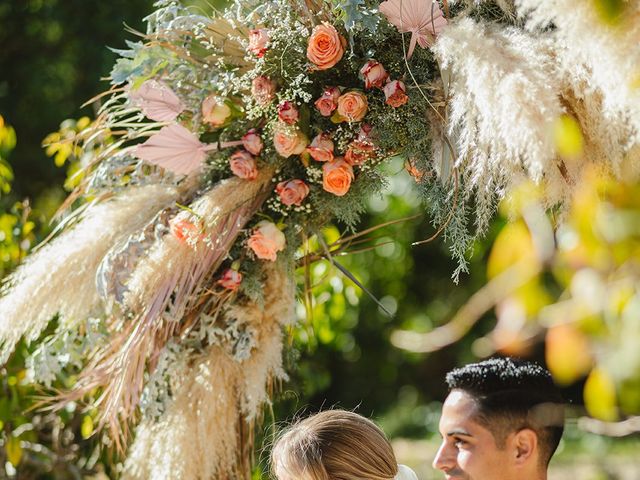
(444,459)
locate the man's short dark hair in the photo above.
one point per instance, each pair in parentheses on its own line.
(511,395)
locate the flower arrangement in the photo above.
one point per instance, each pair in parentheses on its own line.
(234,138)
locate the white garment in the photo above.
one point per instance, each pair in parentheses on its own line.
(405,473)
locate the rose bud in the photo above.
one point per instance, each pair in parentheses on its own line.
(289,141)
(352,106)
(288,113)
(292,192)
(252,142)
(326,46)
(321,148)
(243,165)
(230,279)
(214,112)
(374,74)
(337,177)
(364,134)
(395,93)
(258,40)
(266,241)
(328,102)
(263,90)
(359,151)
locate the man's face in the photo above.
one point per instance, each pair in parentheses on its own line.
(468,450)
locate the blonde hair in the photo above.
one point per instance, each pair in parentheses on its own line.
(334,445)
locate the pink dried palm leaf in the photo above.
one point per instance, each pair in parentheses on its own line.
(422,18)
(157,101)
(165,287)
(177,149)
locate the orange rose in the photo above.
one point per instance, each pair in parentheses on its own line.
(263,90)
(252,142)
(395,94)
(326,46)
(328,102)
(321,148)
(185,230)
(337,177)
(292,192)
(266,241)
(374,74)
(359,151)
(289,141)
(352,106)
(243,165)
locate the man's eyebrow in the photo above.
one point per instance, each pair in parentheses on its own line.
(458,431)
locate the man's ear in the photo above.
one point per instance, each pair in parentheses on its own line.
(525,443)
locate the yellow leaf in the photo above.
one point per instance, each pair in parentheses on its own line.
(512,245)
(568,354)
(13,450)
(86,430)
(609,11)
(83,123)
(568,137)
(600,396)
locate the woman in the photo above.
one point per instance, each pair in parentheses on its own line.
(336,445)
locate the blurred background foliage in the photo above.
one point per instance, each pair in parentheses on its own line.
(569,298)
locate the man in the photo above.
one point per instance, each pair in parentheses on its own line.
(502,420)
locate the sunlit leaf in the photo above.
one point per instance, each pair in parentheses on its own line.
(568,137)
(610,11)
(86,429)
(512,245)
(600,395)
(13,450)
(568,354)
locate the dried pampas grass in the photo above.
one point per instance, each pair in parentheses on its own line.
(206,431)
(602,51)
(59,278)
(164,286)
(502,109)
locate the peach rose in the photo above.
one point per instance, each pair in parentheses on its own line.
(252,142)
(289,141)
(258,40)
(288,113)
(359,151)
(263,90)
(321,148)
(230,279)
(395,93)
(328,102)
(266,241)
(292,192)
(352,106)
(215,112)
(326,46)
(374,74)
(337,176)
(243,165)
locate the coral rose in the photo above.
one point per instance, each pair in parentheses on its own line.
(243,165)
(185,230)
(289,141)
(258,40)
(395,93)
(230,279)
(359,151)
(263,90)
(266,241)
(215,112)
(292,192)
(374,74)
(252,142)
(352,106)
(328,102)
(321,148)
(337,177)
(326,46)
(288,113)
